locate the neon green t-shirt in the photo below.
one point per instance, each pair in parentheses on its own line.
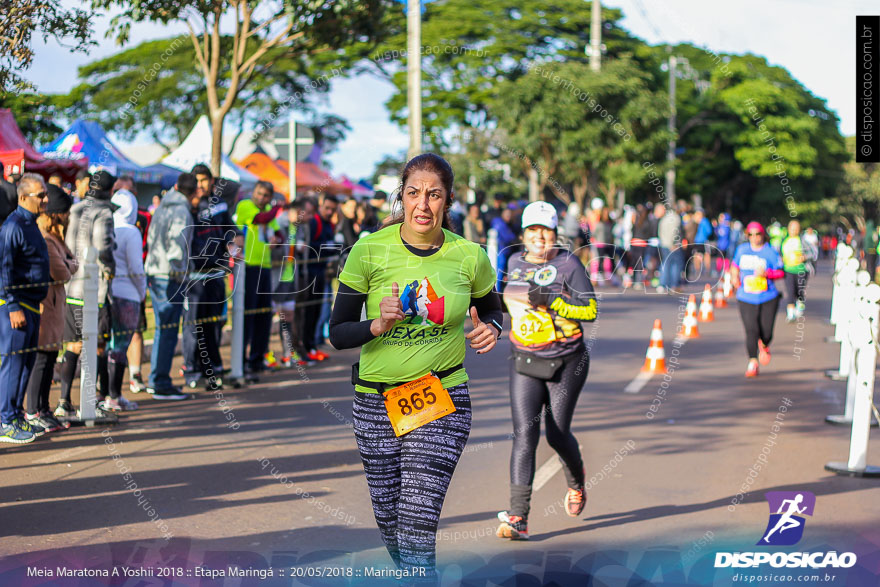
(792,254)
(435,291)
(256,242)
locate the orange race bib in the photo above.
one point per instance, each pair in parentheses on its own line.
(534,327)
(755,284)
(417,403)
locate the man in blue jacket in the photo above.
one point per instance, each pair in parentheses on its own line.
(24,277)
(702,248)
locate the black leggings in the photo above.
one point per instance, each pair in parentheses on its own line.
(758,320)
(795,284)
(40,382)
(555,399)
(408,475)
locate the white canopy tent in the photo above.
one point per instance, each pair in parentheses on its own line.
(196,148)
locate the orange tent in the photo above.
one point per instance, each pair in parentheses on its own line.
(263,167)
(308,175)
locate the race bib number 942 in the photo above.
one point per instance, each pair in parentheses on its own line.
(534,327)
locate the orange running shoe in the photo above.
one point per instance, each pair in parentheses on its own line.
(763,353)
(512,527)
(752,369)
(575,500)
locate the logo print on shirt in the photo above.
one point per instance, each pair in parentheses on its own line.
(546,275)
(421,303)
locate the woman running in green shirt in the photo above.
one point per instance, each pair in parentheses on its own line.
(412,411)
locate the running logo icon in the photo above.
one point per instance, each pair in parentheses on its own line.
(786,525)
(421,301)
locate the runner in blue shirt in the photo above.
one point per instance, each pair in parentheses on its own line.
(755,265)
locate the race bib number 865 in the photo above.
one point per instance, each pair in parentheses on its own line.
(416,403)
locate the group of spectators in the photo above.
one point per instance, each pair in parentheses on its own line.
(178,256)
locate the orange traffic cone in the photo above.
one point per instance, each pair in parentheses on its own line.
(720,300)
(728,285)
(689,325)
(655,358)
(707,313)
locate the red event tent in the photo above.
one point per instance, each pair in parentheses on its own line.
(14,149)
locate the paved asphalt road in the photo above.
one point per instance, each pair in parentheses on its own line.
(662,501)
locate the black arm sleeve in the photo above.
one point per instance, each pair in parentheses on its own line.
(577,301)
(489,309)
(347,331)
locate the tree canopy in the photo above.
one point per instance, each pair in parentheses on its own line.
(476,76)
(589,130)
(268,34)
(20,20)
(157,88)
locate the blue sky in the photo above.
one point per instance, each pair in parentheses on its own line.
(813,39)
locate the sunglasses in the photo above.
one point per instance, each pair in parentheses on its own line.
(40,195)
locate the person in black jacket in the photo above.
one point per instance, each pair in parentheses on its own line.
(8,199)
(322,245)
(24,277)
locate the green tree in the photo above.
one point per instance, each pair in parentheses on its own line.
(266,32)
(859,197)
(157,88)
(588,130)
(755,141)
(36,115)
(20,20)
(470,47)
(388,165)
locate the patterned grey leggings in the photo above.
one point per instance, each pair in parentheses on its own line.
(408,476)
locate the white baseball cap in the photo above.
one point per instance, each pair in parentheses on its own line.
(540,213)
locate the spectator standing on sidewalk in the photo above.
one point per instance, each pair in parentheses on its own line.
(671,255)
(91,225)
(704,233)
(506,242)
(8,198)
(128,289)
(214,232)
(168,244)
(257,217)
(474,226)
(722,234)
(286,290)
(136,348)
(348,224)
(62,265)
(24,273)
(321,246)
(81,186)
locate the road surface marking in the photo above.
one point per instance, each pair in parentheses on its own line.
(546,472)
(64,455)
(639,382)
